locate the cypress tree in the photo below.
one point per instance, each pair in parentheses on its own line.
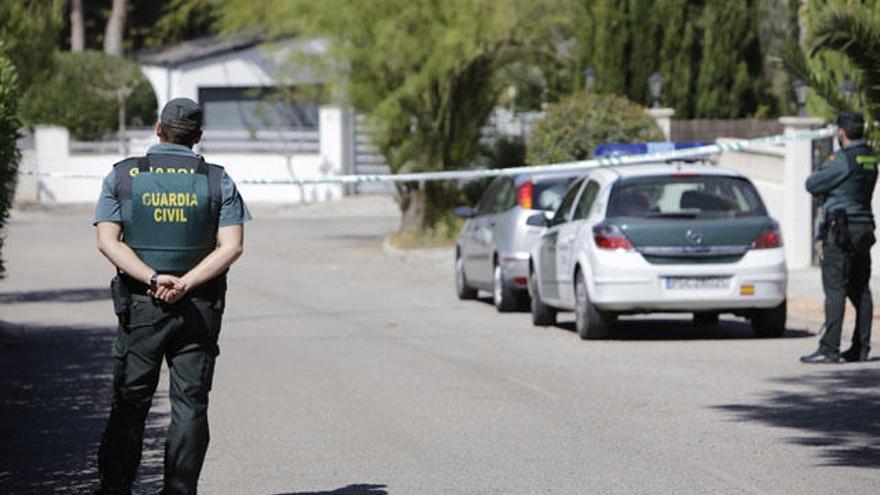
(609,50)
(680,54)
(643,50)
(730,78)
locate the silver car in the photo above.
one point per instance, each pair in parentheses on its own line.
(492,250)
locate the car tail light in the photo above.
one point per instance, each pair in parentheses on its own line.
(770,237)
(608,236)
(524,194)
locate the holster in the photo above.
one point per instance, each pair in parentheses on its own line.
(839,230)
(220,292)
(121,298)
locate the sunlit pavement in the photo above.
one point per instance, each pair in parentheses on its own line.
(349,370)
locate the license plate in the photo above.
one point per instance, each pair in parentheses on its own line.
(697,283)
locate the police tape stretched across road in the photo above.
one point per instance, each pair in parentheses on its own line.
(711,149)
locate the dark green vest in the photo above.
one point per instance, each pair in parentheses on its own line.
(858,187)
(170,210)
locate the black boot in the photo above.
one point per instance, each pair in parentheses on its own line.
(854,355)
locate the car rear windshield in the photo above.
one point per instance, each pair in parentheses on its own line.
(706,196)
(547,193)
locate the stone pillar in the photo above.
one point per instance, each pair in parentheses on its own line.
(663,116)
(797,219)
(52,146)
(333,124)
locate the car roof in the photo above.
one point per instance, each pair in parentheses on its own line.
(662,168)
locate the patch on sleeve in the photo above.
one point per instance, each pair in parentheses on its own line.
(867,162)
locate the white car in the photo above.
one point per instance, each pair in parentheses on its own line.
(659,238)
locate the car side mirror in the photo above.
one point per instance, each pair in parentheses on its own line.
(464,212)
(537,220)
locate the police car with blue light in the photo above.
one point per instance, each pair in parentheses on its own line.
(658,238)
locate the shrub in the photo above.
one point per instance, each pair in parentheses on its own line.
(9,154)
(573,127)
(81,95)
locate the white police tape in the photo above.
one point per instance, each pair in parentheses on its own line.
(662,156)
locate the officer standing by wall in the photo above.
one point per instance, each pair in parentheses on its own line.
(846,184)
(172,225)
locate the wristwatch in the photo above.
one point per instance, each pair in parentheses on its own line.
(154,282)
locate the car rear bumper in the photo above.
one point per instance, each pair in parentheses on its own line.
(515,267)
(624,281)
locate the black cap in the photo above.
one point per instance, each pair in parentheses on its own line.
(853,123)
(182,113)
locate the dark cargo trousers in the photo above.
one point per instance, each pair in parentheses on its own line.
(185,335)
(846,274)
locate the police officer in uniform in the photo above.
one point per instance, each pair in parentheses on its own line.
(845,182)
(172,225)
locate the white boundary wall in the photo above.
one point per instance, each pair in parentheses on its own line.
(52,154)
(779,173)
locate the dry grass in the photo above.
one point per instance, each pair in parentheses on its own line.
(443,235)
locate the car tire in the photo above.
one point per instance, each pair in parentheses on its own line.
(505,298)
(542,315)
(770,322)
(589,321)
(462,289)
(705,319)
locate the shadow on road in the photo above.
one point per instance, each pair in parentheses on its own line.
(361,489)
(684,329)
(834,411)
(55,392)
(648,328)
(56,295)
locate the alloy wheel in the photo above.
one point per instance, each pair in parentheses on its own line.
(580,308)
(497,289)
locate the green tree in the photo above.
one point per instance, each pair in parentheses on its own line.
(679,54)
(9,154)
(645,40)
(184,19)
(30,32)
(842,40)
(83,95)
(607,49)
(730,81)
(710,52)
(573,127)
(855,34)
(426,72)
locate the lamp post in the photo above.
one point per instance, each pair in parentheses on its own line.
(589,79)
(800,92)
(655,84)
(848,88)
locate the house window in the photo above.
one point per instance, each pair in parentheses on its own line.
(255,108)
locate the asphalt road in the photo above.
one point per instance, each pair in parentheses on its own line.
(348,371)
